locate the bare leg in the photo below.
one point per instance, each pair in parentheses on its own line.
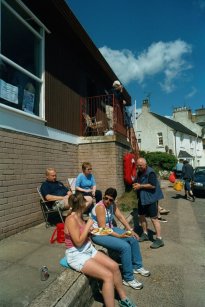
(114,268)
(143,222)
(89,201)
(95,269)
(157,227)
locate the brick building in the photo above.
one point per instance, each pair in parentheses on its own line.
(48,64)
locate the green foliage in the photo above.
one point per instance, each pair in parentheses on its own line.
(159,160)
(128,201)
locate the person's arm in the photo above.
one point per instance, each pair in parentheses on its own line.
(93,185)
(101,216)
(79,183)
(151,185)
(101,219)
(74,231)
(50,197)
(124,222)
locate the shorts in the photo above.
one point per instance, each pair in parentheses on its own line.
(77,256)
(59,204)
(150,210)
(187,185)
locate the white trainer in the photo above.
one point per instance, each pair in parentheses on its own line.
(142,272)
(135,284)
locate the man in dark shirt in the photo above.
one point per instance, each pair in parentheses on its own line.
(117,90)
(149,193)
(53,190)
(187,175)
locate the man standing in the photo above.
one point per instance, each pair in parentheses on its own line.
(55,191)
(187,175)
(148,192)
(117,90)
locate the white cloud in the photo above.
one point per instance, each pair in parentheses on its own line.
(191,93)
(201,4)
(159,58)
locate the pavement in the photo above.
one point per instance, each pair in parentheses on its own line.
(177,270)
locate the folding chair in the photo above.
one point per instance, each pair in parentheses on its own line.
(71,184)
(47,208)
(92,123)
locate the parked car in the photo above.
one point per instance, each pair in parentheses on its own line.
(198,184)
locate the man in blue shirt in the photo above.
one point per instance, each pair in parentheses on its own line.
(55,191)
(149,193)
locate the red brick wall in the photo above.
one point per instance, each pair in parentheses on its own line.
(23,160)
(106,158)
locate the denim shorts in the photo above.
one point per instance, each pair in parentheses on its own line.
(77,256)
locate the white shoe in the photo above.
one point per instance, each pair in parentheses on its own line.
(142,272)
(135,284)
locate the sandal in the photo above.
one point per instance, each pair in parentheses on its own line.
(164,211)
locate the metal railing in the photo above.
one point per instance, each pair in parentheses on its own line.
(100,115)
(103,115)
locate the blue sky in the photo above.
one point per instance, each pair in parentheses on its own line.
(156,47)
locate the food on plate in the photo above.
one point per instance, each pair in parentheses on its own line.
(102,231)
(105,231)
(95,230)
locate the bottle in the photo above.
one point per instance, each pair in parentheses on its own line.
(44,273)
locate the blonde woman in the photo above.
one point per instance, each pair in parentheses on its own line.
(86,184)
(83,257)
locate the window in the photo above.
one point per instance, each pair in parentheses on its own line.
(139,140)
(160,139)
(21,58)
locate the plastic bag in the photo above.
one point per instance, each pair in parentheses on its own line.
(172,177)
(178,185)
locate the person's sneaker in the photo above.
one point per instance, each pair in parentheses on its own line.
(161,219)
(142,272)
(164,211)
(185,196)
(135,284)
(126,303)
(157,243)
(193,197)
(144,237)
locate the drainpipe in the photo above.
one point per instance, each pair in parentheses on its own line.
(175,145)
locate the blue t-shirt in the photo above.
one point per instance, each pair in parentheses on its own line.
(85,182)
(56,188)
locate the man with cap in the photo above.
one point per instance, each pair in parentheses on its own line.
(117,90)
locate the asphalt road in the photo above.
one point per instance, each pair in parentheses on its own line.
(177,269)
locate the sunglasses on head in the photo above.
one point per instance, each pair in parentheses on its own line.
(108,198)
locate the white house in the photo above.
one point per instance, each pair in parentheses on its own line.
(158,133)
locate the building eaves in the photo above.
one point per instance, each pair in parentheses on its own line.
(174,124)
(80,32)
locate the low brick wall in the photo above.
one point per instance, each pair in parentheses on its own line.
(24,158)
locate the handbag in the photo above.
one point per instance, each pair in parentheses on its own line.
(58,234)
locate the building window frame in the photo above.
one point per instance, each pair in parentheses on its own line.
(28,96)
(160,140)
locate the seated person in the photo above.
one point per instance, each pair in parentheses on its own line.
(125,243)
(83,257)
(85,184)
(55,191)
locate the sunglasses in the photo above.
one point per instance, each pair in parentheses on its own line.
(108,198)
(89,169)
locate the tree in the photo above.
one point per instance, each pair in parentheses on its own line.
(159,160)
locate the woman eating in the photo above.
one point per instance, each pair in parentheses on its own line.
(125,243)
(83,257)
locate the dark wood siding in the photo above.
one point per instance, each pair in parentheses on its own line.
(62,106)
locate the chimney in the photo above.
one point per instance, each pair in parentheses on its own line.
(145,105)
